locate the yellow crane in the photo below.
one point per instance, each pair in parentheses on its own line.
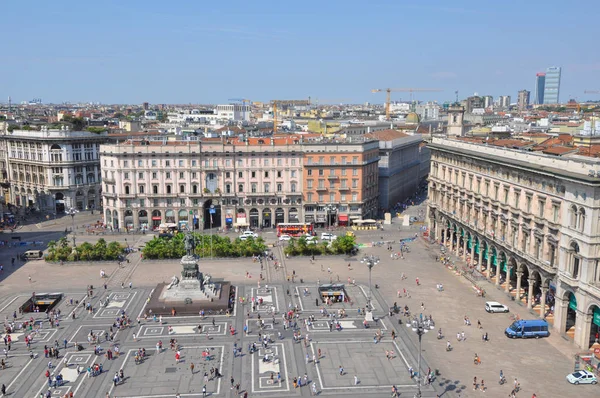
(276,103)
(389,91)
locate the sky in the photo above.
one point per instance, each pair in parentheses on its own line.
(116,51)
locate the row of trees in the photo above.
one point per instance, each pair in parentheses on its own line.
(206,246)
(302,247)
(61,250)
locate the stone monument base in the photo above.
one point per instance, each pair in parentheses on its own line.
(189,300)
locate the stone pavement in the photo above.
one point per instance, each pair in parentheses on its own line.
(540,365)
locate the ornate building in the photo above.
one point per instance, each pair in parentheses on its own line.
(529,222)
(256,182)
(52,169)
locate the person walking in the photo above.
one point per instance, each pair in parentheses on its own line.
(204,391)
(355,380)
(192,367)
(341,371)
(474,383)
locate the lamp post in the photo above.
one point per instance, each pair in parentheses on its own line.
(330,208)
(370,261)
(420,329)
(211,211)
(71,212)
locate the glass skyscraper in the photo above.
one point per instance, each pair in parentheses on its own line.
(552,85)
(540,81)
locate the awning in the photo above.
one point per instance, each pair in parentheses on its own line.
(156,218)
(243,224)
(343,217)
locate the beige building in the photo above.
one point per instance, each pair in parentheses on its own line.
(256,182)
(527,221)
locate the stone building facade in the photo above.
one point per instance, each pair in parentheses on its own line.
(211,183)
(52,169)
(529,222)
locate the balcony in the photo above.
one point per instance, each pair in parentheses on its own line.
(109,180)
(333,177)
(321,189)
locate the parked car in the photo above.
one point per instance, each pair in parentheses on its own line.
(328,236)
(32,255)
(493,306)
(285,237)
(582,377)
(310,238)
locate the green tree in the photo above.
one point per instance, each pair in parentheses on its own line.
(344,244)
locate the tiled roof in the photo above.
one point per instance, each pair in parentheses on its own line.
(386,135)
(508,143)
(559,150)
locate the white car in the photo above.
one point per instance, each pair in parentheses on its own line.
(493,306)
(328,236)
(248,234)
(285,237)
(582,377)
(310,238)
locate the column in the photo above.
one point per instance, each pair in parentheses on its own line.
(457,244)
(497,282)
(530,292)
(465,248)
(508,271)
(583,324)
(489,264)
(519,275)
(473,252)
(560,314)
(543,302)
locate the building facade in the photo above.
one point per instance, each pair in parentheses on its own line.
(210,183)
(552,85)
(528,222)
(540,84)
(52,170)
(523,100)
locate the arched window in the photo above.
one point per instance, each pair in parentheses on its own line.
(168,189)
(581,221)
(293,187)
(279,187)
(182,188)
(575,260)
(141,189)
(241,188)
(127,189)
(194,188)
(573,217)
(228,188)
(155,189)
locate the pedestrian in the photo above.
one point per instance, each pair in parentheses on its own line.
(314,388)
(130,284)
(474,383)
(417,280)
(192,367)
(482,385)
(232,382)
(204,391)
(462,336)
(341,371)
(355,380)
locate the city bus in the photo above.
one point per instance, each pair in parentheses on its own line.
(295,229)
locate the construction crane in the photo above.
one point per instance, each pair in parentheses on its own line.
(403,90)
(276,103)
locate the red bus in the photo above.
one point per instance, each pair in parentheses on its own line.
(295,229)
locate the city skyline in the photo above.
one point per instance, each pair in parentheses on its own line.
(188,53)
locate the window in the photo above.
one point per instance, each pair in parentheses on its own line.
(142,203)
(343,171)
(253,174)
(343,197)
(279,162)
(528,204)
(181,202)
(141,189)
(293,187)
(154,175)
(278,174)
(141,176)
(332,197)
(253,162)
(127,189)
(168,175)
(266,162)
(517,199)
(180,163)
(241,188)
(228,174)
(293,173)
(194,174)
(228,162)
(240,174)
(153,162)
(154,189)
(182,188)
(253,187)
(140,163)
(169,202)
(309,197)
(155,202)
(125,163)
(354,183)
(321,172)
(194,163)
(354,172)
(126,175)
(355,197)
(293,162)
(541,208)
(267,187)
(279,187)
(309,184)
(309,172)
(181,175)
(266,174)
(194,188)
(505,194)
(321,198)
(227,188)
(321,184)
(167,163)
(555,212)
(168,189)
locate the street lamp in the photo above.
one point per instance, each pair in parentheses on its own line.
(210,213)
(370,261)
(419,327)
(71,212)
(330,208)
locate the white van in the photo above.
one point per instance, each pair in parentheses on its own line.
(32,255)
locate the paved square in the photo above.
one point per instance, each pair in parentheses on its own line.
(117,302)
(159,375)
(264,373)
(364,359)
